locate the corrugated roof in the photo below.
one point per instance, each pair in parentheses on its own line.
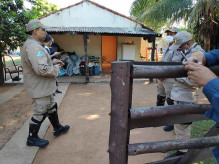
(104,30)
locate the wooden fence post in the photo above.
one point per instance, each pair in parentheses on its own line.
(120,97)
(85,37)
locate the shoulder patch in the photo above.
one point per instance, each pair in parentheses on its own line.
(39,53)
(184,40)
(196,54)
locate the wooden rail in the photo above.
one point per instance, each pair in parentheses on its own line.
(163,71)
(165,146)
(124,118)
(160,111)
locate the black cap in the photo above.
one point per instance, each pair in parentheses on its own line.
(48,38)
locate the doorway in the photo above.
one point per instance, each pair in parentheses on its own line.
(108,52)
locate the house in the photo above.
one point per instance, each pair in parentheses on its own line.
(111,36)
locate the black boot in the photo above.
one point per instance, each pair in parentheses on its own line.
(58,91)
(168,128)
(170,101)
(33,139)
(58,128)
(160,100)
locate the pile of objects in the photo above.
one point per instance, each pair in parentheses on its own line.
(75,65)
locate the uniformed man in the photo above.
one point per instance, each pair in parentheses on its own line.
(39,80)
(184,91)
(165,85)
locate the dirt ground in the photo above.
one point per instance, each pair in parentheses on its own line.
(6,87)
(13,114)
(85,108)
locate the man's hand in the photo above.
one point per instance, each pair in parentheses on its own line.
(198,58)
(59,63)
(200,74)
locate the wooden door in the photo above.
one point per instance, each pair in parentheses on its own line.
(108,52)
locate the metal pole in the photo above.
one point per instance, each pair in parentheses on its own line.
(152,53)
(153,49)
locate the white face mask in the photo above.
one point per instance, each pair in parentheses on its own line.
(169,39)
(186,50)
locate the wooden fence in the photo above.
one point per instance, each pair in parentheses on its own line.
(125,118)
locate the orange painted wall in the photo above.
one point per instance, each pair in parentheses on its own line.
(144,46)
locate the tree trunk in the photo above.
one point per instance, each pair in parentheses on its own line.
(2,80)
(207,44)
(207,40)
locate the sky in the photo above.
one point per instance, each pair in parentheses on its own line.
(121,6)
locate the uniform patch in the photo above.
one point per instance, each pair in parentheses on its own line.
(39,53)
(195,54)
(34,25)
(184,40)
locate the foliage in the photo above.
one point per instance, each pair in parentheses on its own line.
(202,16)
(13,18)
(41,8)
(12,23)
(199,128)
(157,13)
(204,20)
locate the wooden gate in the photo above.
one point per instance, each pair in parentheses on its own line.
(124,118)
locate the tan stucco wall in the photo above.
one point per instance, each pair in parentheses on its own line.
(123,39)
(75,43)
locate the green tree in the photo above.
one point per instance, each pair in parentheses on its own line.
(12,32)
(203,21)
(158,13)
(13,18)
(201,15)
(41,8)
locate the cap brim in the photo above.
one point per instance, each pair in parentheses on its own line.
(174,47)
(44,27)
(170,31)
